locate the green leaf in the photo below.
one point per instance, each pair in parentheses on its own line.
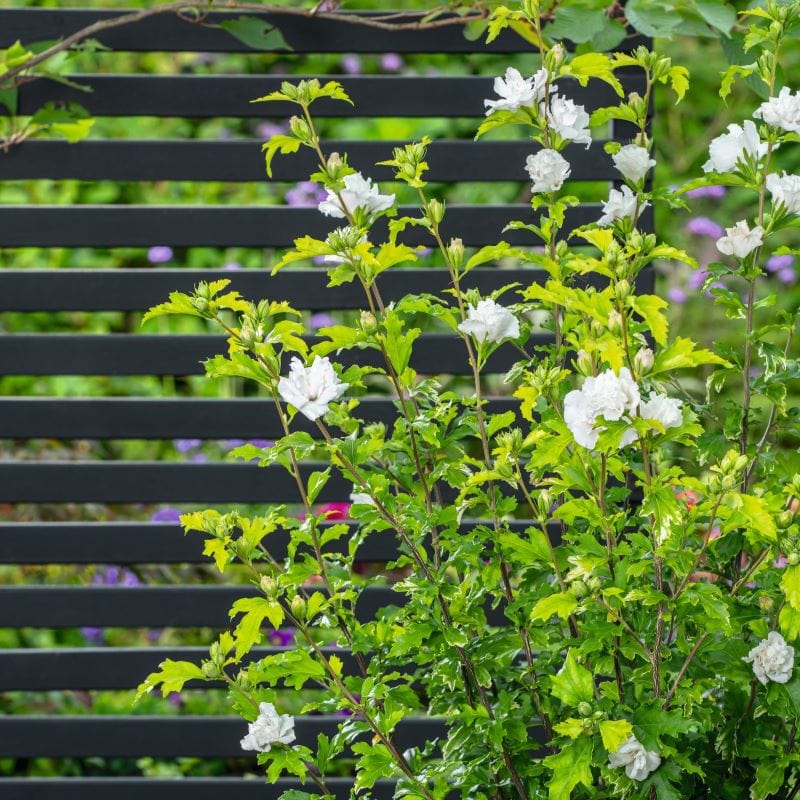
(570,727)
(571,766)
(573,684)
(614,733)
(651,307)
(576,23)
(717,14)
(316,483)
(652,19)
(286,760)
(171,676)
(651,723)
(255,33)
(593,65)
(492,253)
(789,621)
(279,142)
(10,99)
(398,341)
(255,610)
(769,779)
(790,583)
(681,354)
(375,762)
(562,604)
(757,515)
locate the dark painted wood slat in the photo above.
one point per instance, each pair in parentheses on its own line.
(161,543)
(107,668)
(155,606)
(174,418)
(194,160)
(304,34)
(139,289)
(165,737)
(170,789)
(204,96)
(155,482)
(124,354)
(244,226)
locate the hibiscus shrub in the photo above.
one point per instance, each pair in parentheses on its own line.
(650,595)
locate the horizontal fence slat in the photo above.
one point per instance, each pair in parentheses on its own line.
(184,418)
(139,289)
(155,606)
(165,737)
(107,668)
(193,160)
(245,226)
(171,789)
(204,96)
(303,33)
(128,354)
(163,543)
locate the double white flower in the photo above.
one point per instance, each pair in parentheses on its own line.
(621,204)
(782,111)
(269,728)
(490,322)
(613,397)
(638,762)
(568,120)
(785,191)
(740,240)
(548,170)
(728,149)
(517,92)
(311,389)
(358,193)
(772,659)
(633,162)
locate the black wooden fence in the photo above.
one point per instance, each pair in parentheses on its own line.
(87,226)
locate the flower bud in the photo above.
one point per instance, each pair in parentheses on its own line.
(368,322)
(299,128)
(584,708)
(594,584)
(622,289)
(298,607)
(793,558)
(435,211)
(785,519)
(201,304)
(455,251)
(584,363)
(615,321)
(210,670)
(643,360)
(598,715)
(269,585)
(578,588)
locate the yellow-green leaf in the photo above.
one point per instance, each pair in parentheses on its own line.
(562,604)
(790,583)
(614,733)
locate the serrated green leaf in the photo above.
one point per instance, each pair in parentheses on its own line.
(573,684)
(561,604)
(571,766)
(256,33)
(614,733)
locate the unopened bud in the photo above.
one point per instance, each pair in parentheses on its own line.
(201,304)
(643,360)
(435,211)
(299,128)
(455,251)
(269,585)
(298,607)
(584,363)
(793,558)
(210,670)
(622,289)
(785,519)
(584,708)
(578,588)
(369,323)
(615,321)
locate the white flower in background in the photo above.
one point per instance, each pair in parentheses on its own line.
(548,170)
(515,91)
(358,192)
(740,240)
(782,111)
(361,498)
(638,762)
(729,148)
(609,396)
(633,162)
(269,728)
(663,409)
(621,204)
(785,190)
(489,321)
(312,389)
(772,659)
(569,121)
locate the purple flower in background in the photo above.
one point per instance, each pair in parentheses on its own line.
(266,130)
(703,226)
(175,699)
(198,458)
(778,263)
(94,636)
(351,64)
(187,445)
(697,278)
(329,6)
(115,576)
(321,320)
(261,443)
(305,193)
(787,275)
(426,251)
(159,254)
(232,266)
(167,515)
(231,444)
(707,191)
(283,637)
(319,260)
(154,634)
(676,295)
(391,62)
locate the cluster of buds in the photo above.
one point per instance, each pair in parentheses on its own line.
(727,474)
(303,93)
(213,667)
(255,324)
(203,299)
(409,161)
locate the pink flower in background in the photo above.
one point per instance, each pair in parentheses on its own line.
(335,510)
(351,64)
(391,62)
